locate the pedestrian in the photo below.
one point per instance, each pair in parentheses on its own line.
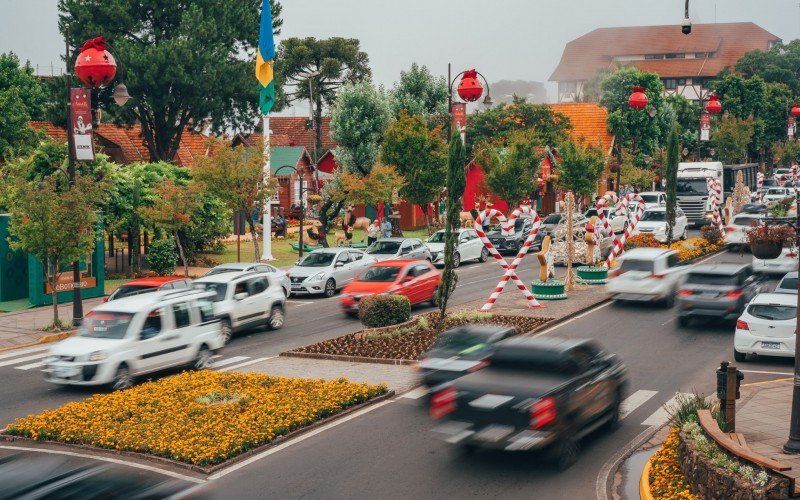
(373,231)
(386,228)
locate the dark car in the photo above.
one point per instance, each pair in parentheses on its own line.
(769,183)
(549,223)
(459,351)
(510,244)
(543,394)
(716,291)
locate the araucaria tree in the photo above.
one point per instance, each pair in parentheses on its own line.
(511,170)
(456,182)
(172,211)
(419,93)
(420,155)
(671,175)
(579,167)
(183,61)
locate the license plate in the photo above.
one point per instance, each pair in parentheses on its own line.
(297,287)
(770,345)
(64,372)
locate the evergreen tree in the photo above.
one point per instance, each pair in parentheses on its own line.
(456,182)
(673,157)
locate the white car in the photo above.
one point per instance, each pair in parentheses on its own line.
(766,327)
(133,336)
(653,199)
(782,174)
(468,247)
(736,231)
(787,284)
(786,262)
(618,223)
(654,221)
(777,194)
(399,248)
(245,300)
(274,273)
(647,275)
(327,270)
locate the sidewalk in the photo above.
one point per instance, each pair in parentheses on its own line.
(24,327)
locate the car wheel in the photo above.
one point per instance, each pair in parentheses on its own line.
(204,359)
(685,234)
(456,260)
(123,378)
(226,331)
(613,420)
(683,321)
(330,288)
(739,356)
(567,453)
(669,301)
(484,255)
(624,227)
(434,301)
(276,318)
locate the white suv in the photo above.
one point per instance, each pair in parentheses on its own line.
(647,274)
(132,336)
(245,300)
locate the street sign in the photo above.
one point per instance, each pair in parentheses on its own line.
(65,283)
(81,106)
(790,129)
(240,223)
(705,126)
(458,114)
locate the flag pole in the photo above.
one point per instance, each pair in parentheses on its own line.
(267,212)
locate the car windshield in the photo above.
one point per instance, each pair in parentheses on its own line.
(519,224)
(637,265)
(770,182)
(788,284)
(384,247)
(105,325)
(221,270)
(692,187)
(650,198)
(437,237)
(552,219)
(317,259)
(778,191)
(460,341)
(744,221)
(128,290)
(381,274)
(654,215)
(218,288)
(772,312)
(711,279)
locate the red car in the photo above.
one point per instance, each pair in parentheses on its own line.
(145,285)
(416,279)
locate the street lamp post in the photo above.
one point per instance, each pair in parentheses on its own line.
(301,190)
(638,101)
(469,89)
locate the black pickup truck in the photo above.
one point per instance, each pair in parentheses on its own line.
(541,393)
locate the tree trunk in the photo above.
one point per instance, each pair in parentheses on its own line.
(318,126)
(183,257)
(111,243)
(327,212)
(52,278)
(424,208)
(254,237)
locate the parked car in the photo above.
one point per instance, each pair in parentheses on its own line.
(399,248)
(766,327)
(245,300)
(511,243)
(787,284)
(549,224)
(468,247)
(784,263)
(716,291)
(137,335)
(326,270)
(417,280)
(736,231)
(147,285)
(461,350)
(768,183)
(777,194)
(274,273)
(781,175)
(654,221)
(653,199)
(647,274)
(618,223)
(543,393)
(558,246)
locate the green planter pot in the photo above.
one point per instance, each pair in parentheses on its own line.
(593,275)
(548,290)
(766,249)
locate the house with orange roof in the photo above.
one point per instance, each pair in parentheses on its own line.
(685,63)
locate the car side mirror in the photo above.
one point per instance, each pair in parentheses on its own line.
(240,296)
(146,334)
(338,264)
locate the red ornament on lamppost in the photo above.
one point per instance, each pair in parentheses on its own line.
(95,65)
(713,106)
(470,88)
(795,111)
(638,99)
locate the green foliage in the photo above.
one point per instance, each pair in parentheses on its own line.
(786,153)
(162,257)
(419,93)
(779,64)
(358,121)
(511,171)
(685,408)
(711,233)
(687,114)
(376,311)
(593,87)
(633,175)
(580,167)
(671,176)
(630,124)
(732,137)
(194,61)
(22,98)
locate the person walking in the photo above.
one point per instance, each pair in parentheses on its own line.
(386,228)
(373,231)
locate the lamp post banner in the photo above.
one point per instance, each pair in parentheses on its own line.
(458,117)
(790,126)
(705,126)
(81,118)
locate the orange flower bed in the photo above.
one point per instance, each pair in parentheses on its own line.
(666,479)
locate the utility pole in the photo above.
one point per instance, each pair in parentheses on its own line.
(77,303)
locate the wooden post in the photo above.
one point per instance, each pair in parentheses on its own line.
(730,399)
(238,247)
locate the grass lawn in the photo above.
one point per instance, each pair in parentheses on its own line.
(111,285)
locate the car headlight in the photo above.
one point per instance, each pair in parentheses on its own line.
(661,229)
(709,215)
(98,356)
(317,276)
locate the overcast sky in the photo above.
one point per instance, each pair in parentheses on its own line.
(504,39)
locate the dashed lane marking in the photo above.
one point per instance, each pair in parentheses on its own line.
(415,393)
(634,401)
(230,361)
(767,373)
(246,363)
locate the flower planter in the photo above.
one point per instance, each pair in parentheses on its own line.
(548,290)
(765,249)
(593,275)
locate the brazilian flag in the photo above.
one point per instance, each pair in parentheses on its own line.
(265,58)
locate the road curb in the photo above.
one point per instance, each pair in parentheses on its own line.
(47,339)
(603,486)
(349,359)
(644,483)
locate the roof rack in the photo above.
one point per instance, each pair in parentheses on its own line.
(182,292)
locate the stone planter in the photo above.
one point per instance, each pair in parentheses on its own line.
(548,290)
(766,249)
(593,275)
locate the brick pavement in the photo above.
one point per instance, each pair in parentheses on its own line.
(24,327)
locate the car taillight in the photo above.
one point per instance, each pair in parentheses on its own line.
(614,273)
(791,254)
(658,276)
(742,325)
(734,294)
(478,366)
(685,293)
(443,403)
(543,412)
(730,229)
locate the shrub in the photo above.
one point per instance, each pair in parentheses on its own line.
(642,241)
(376,311)
(711,233)
(771,233)
(162,257)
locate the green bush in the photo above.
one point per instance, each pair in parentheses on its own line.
(162,257)
(376,311)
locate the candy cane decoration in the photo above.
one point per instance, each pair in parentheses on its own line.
(638,210)
(714,196)
(759,185)
(610,198)
(507,226)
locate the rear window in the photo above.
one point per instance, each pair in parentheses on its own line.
(219,288)
(128,290)
(552,219)
(772,312)
(460,341)
(544,361)
(637,265)
(744,221)
(105,325)
(788,284)
(712,279)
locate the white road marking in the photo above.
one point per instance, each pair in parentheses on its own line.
(298,302)
(660,416)
(246,363)
(20,352)
(768,373)
(302,437)
(229,361)
(416,393)
(28,367)
(21,360)
(634,401)
(555,327)
(668,321)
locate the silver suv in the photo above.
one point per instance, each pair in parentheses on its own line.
(245,300)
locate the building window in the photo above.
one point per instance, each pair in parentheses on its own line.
(654,56)
(670,84)
(676,56)
(703,55)
(681,81)
(567,87)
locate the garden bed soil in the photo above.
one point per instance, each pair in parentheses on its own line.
(380,345)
